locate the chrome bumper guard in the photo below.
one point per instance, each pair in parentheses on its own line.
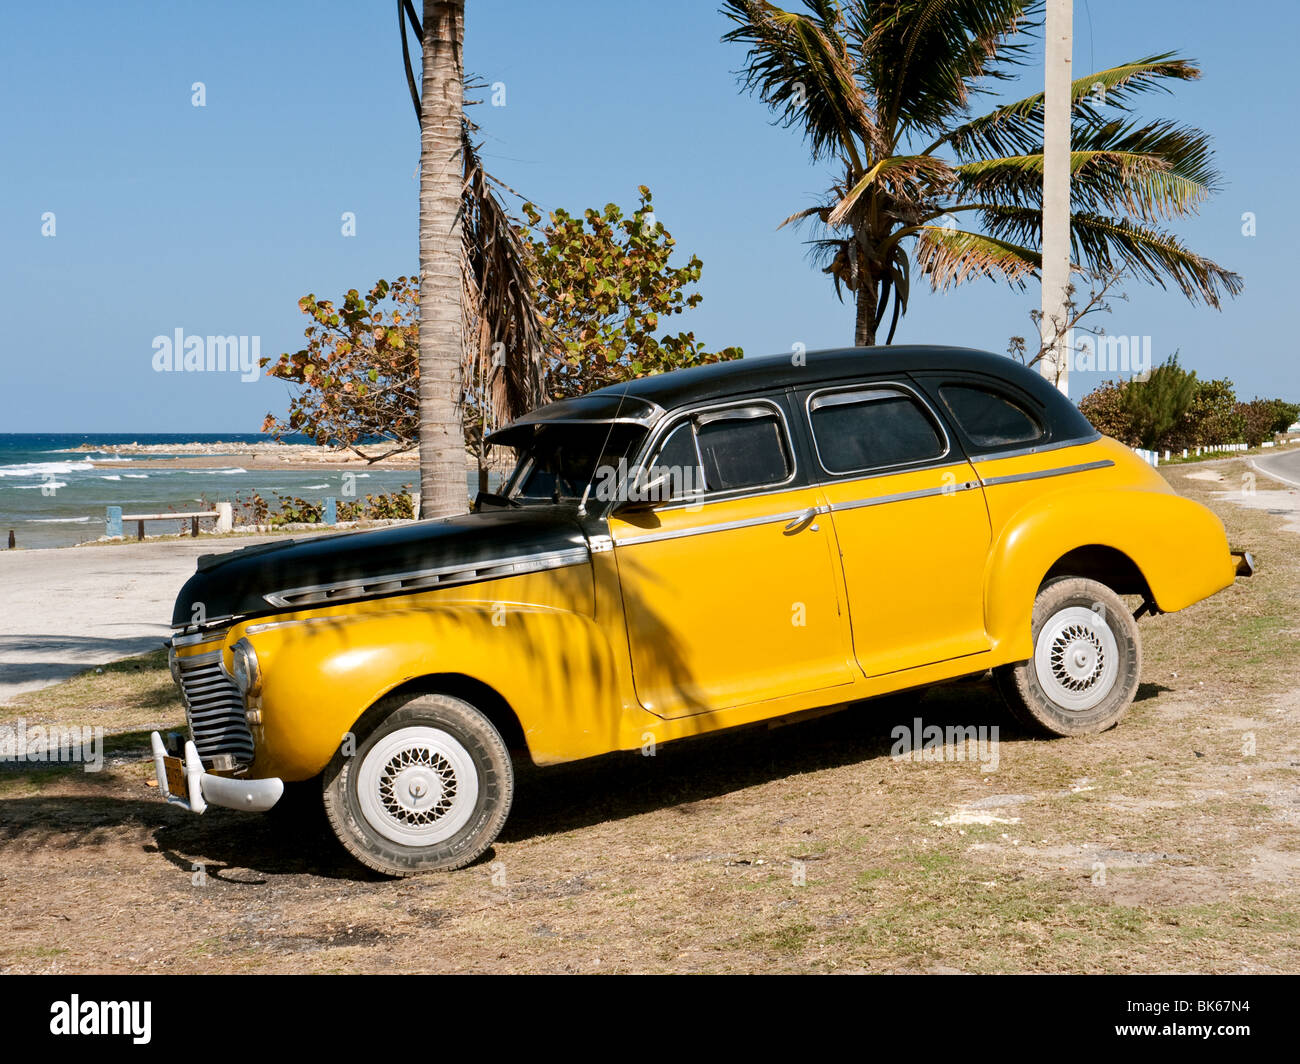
(1245,562)
(205,789)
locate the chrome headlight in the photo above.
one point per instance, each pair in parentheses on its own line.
(174,665)
(244,669)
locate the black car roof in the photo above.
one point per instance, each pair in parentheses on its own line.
(645,399)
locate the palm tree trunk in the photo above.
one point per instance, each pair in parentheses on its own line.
(864,329)
(442,438)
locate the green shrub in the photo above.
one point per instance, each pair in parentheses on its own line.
(1261,418)
(1212,421)
(1104,407)
(255,510)
(1183,412)
(1158,403)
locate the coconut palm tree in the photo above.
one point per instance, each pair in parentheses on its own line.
(885,91)
(442,439)
(480,328)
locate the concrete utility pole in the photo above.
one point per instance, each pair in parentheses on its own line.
(1059,40)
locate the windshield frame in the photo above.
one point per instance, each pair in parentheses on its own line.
(622,460)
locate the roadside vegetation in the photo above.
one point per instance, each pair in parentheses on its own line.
(1175,410)
(255,509)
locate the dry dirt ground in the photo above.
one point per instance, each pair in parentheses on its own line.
(1171,843)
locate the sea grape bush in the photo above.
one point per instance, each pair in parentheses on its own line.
(292,510)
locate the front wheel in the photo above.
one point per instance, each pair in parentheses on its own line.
(1086,665)
(427,789)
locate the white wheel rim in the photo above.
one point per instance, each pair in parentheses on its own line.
(1076,658)
(417,786)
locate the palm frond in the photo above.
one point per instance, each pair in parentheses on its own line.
(950,257)
(899,173)
(808,212)
(1017,128)
(1103,244)
(1158,170)
(799,66)
(500,304)
(926,59)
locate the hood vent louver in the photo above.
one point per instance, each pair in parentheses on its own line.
(423,579)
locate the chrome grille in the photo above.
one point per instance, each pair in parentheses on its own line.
(214,709)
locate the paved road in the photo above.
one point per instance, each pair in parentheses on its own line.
(62,611)
(1285,465)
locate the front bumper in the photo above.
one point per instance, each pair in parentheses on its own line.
(205,789)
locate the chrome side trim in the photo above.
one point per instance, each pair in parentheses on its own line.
(208,636)
(1033,448)
(267,626)
(722,526)
(905,496)
(425,579)
(858,504)
(1039,474)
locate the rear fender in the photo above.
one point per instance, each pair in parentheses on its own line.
(1178,546)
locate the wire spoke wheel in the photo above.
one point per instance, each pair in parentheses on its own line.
(1085,665)
(427,789)
(1076,658)
(417,786)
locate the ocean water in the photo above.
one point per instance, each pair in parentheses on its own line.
(52,496)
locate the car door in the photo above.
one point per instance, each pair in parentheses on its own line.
(910,521)
(730,587)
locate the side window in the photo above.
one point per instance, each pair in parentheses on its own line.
(874,427)
(743,447)
(989,419)
(679,461)
(725,450)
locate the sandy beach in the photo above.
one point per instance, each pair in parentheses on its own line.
(288,457)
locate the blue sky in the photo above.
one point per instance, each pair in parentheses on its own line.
(215,220)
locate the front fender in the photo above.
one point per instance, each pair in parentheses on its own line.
(554,667)
(1179,546)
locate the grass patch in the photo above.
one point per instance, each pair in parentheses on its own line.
(134,694)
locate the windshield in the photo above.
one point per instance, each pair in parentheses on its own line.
(562,460)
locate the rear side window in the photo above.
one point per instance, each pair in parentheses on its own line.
(989,419)
(871,428)
(728,450)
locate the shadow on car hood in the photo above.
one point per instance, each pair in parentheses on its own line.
(238,583)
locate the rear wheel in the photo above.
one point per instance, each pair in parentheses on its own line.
(1086,665)
(428,788)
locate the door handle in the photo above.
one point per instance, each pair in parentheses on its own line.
(802,521)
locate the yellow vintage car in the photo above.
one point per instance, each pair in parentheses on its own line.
(677,555)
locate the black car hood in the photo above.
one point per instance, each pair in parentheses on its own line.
(237,584)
